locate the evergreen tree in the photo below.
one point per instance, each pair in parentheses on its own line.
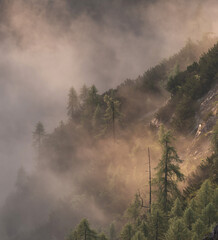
(84,232)
(204,195)
(102,237)
(96,120)
(177,231)
(168,171)
(127,232)
(112,232)
(38,136)
(176,211)
(144,228)
(72,236)
(134,209)
(112,112)
(157,223)
(195,236)
(90,108)
(189,217)
(215,198)
(73,105)
(84,93)
(138,236)
(209,214)
(199,229)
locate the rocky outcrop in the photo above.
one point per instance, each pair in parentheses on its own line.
(207,115)
(213,235)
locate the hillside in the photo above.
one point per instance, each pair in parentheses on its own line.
(92,165)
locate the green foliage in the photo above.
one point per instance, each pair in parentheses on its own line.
(176,211)
(138,236)
(215,198)
(199,229)
(144,228)
(189,217)
(157,223)
(188,86)
(127,232)
(84,232)
(112,113)
(177,231)
(168,171)
(112,232)
(209,214)
(133,211)
(204,195)
(73,104)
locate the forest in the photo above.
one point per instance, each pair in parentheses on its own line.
(108,112)
(170,202)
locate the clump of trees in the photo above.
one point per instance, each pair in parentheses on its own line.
(173,216)
(188,86)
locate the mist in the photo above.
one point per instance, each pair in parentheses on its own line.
(46,47)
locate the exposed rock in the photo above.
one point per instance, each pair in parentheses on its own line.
(213,235)
(207,116)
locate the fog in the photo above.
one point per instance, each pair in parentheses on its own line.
(48,46)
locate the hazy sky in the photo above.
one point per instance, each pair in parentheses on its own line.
(47,46)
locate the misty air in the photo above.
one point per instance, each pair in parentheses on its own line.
(108,112)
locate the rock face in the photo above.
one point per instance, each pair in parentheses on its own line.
(207,115)
(213,235)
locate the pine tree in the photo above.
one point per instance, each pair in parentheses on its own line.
(101,237)
(90,108)
(176,211)
(73,105)
(138,236)
(177,231)
(112,113)
(189,217)
(204,195)
(134,209)
(84,93)
(215,198)
(209,214)
(84,232)
(112,232)
(144,228)
(72,236)
(127,232)
(199,229)
(168,171)
(38,136)
(157,223)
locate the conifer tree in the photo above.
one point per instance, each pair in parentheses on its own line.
(176,211)
(215,198)
(168,171)
(127,232)
(204,195)
(189,217)
(209,214)
(38,136)
(112,112)
(177,231)
(73,104)
(199,228)
(144,228)
(134,209)
(138,236)
(84,232)
(157,223)
(112,232)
